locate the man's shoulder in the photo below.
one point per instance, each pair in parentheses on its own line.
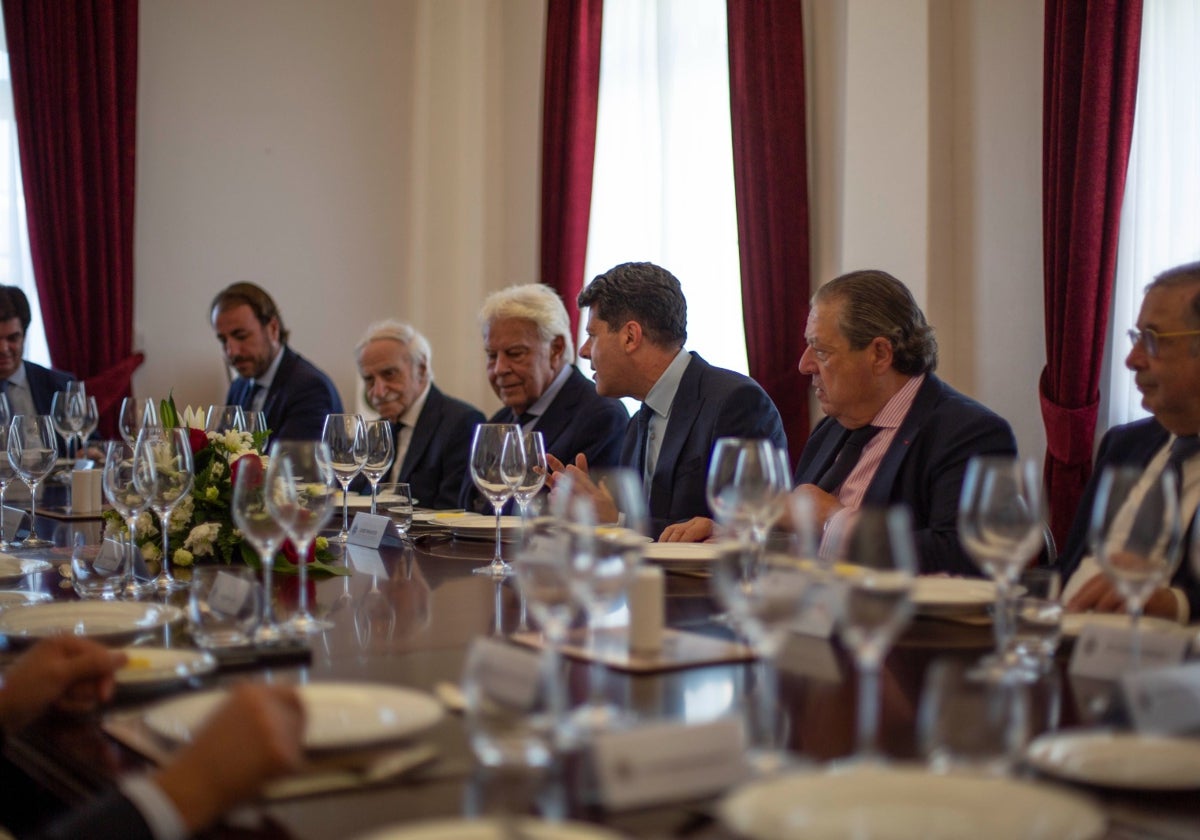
(294,364)
(952,404)
(719,381)
(1133,441)
(449,407)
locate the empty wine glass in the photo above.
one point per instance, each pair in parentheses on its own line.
(225,418)
(748,480)
(135,415)
(874,606)
(497,468)
(90,419)
(164,473)
(381,450)
(1137,544)
(535,473)
(122,493)
(32,452)
(1000,516)
(346,439)
(7,474)
(66,411)
(299,496)
(261,530)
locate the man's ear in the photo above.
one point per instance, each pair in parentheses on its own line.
(882,353)
(631,336)
(557,346)
(273,330)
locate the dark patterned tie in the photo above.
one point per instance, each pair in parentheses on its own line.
(522,418)
(847,457)
(1148,524)
(251,393)
(643,438)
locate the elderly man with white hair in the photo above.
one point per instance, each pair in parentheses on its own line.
(432,430)
(530,366)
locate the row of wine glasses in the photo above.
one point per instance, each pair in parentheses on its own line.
(74,415)
(357,446)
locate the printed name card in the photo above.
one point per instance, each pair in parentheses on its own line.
(229,593)
(368,561)
(110,557)
(1165,700)
(668,762)
(507,674)
(1106,653)
(817,617)
(368,529)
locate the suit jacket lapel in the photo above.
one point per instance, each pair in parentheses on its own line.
(823,458)
(879,492)
(555,420)
(679,426)
(422,434)
(282,374)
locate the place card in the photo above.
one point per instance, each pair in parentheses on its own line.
(1165,700)
(668,762)
(368,529)
(229,593)
(85,491)
(1106,653)
(368,561)
(110,556)
(509,674)
(13,520)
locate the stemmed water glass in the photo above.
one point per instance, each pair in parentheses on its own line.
(262,531)
(122,493)
(135,415)
(300,498)
(164,473)
(346,439)
(32,452)
(1137,544)
(66,411)
(748,481)
(1000,520)
(91,419)
(7,474)
(225,418)
(497,468)
(874,604)
(381,450)
(535,473)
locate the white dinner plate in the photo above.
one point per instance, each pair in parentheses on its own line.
(671,553)
(906,802)
(1073,623)
(161,667)
(17,597)
(337,715)
(942,595)
(477,526)
(106,621)
(456,829)
(14,568)
(361,502)
(1119,759)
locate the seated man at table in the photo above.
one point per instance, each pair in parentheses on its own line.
(432,431)
(1165,360)
(636,329)
(255,736)
(293,393)
(531,367)
(893,432)
(30,387)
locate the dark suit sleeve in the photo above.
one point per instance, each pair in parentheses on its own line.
(308,401)
(109,815)
(748,412)
(603,431)
(456,454)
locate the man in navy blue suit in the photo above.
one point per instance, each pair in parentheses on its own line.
(293,393)
(871,355)
(1165,360)
(30,387)
(432,431)
(531,367)
(636,329)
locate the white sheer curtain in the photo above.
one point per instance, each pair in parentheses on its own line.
(1160,219)
(663,183)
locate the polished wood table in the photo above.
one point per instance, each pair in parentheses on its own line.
(411,626)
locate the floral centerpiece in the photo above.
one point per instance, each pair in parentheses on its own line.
(201,525)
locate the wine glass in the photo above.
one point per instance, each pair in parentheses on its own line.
(1136,543)
(7,474)
(346,439)
(225,418)
(122,493)
(66,411)
(299,485)
(381,450)
(874,605)
(535,473)
(1000,514)
(748,480)
(497,468)
(32,452)
(163,473)
(135,415)
(90,419)
(262,531)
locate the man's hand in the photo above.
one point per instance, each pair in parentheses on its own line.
(254,736)
(696,529)
(65,672)
(1099,595)
(824,505)
(574,479)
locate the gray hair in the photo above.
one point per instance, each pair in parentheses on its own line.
(534,302)
(392,329)
(1181,275)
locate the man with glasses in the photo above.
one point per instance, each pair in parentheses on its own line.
(1165,360)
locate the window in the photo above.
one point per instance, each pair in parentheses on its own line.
(663,180)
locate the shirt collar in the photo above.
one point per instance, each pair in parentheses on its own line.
(896,409)
(409,417)
(267,378)
(663,393)
(19,377)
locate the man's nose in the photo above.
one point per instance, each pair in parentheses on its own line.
(806,361)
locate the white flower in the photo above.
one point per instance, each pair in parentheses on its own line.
(182,514)
(217,469)
(200,540)
(151,552)
(193,418)
(146,524)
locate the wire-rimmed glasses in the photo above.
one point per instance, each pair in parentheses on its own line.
(346,438)
(497,468)
(261,530)
(32,452)
(164,474)
(122,493)
(381,451)
(1149,338)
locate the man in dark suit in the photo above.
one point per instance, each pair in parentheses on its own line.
(871,355)
(432,431)
(531,367)
(637,325)
(30,387)
(293,393)
(1165,360)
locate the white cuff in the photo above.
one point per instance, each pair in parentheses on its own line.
(156,807)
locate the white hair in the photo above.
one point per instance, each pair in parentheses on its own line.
(392,329)
(535,302)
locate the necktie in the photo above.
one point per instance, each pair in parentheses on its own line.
(1148,523)
(522,418)
(643,438)
(3,386)
(251,393)
(847,457)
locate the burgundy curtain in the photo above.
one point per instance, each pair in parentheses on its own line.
(571,90)
(74,78)
(1090,84)
(766,97)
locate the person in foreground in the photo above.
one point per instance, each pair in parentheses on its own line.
(531,367)
(636,329)
(255,736)
(293,393)
(30,387)
(893,432)
(1165,360)
(431,430)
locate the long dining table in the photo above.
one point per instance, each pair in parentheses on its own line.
(407,619)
